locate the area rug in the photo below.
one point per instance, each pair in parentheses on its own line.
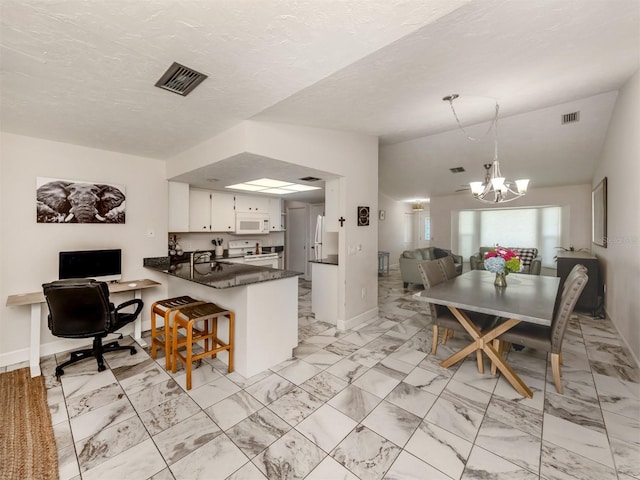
(27,443)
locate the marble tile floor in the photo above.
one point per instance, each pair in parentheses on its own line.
(370,403)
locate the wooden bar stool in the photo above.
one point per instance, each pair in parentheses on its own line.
(161,337)
(186,318)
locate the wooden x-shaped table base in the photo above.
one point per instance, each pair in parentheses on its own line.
(482,342)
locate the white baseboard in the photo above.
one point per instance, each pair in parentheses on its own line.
(63,345)
(623,338)
(358,319)
(46,349)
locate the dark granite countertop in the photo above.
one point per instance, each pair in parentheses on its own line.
(218,274)
(330,260)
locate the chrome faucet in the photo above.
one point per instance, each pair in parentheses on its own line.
(193,258)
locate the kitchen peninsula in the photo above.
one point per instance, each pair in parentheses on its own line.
(324,291)
(265,302)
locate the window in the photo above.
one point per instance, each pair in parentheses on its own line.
(538,227)
(427,228)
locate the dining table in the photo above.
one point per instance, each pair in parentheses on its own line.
(526,298)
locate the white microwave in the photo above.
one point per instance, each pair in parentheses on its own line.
(251,223)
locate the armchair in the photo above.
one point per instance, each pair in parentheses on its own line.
(80,308)
(531,261)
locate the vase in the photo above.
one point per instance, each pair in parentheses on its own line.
(501,280)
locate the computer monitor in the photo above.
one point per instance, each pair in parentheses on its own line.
(103,265)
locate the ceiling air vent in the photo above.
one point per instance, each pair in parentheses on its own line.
(310,179)
(570,117)
(180,79)
(456,169)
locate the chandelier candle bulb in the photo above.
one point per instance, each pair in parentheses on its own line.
(476,187)
(498,183)
(522,185)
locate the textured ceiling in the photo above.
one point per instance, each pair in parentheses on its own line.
(83,72)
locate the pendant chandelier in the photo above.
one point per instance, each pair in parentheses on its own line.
(495,188)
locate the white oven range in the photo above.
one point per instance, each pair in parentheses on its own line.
(244,251)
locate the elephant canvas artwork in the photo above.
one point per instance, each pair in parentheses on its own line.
(72,201)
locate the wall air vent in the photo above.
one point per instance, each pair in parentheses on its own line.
(572,117)
(180,79)
(310,179)
(456,169)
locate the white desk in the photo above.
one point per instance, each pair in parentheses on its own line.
(36,299)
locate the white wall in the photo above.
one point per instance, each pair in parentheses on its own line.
(620,261)
(29,256)
(190,241)
(354,157)
(391,230)
(575,200)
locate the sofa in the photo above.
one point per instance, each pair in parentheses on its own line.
(409,260)
(531,261)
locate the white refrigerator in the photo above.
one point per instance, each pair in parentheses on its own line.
(319,238)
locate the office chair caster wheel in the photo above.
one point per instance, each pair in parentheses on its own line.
(133,351)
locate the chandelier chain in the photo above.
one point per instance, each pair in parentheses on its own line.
(494,122)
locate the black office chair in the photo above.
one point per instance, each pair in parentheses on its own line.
(80,308)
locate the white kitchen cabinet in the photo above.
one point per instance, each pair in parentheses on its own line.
(252,204)
(276,215)
(324,294)
(178,207)
(199,210)
(211,211)
(223,214)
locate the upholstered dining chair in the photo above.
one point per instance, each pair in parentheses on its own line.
(433,274)
(80,308)
(448,267)
(549,339)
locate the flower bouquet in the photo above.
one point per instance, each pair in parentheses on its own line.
(502,261)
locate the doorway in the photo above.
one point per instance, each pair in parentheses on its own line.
(297,229)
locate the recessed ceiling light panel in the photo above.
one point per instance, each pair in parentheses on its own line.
(245,186)
(277,191)
(271,186)
(268,182)
(301,188)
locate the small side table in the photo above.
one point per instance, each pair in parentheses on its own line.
(383,263)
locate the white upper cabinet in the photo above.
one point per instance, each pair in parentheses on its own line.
(252,204)
(276,215)
(178,207)
(223,214)
(199,210)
